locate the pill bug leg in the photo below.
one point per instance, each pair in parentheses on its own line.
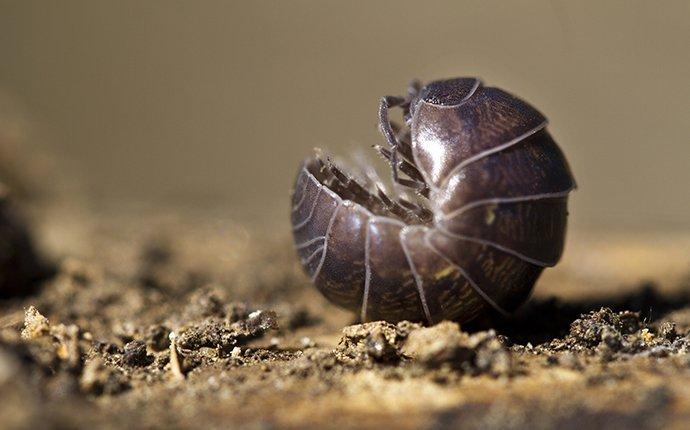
(408,168)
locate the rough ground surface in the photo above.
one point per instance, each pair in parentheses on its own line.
(178,321)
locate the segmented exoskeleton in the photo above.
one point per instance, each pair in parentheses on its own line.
(489,213)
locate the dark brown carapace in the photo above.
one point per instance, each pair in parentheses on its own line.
(479,209)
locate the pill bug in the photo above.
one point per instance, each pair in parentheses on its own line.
(480,211)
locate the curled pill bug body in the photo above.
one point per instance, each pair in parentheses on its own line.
(480,209)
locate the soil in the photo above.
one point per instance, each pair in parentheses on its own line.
(154,318)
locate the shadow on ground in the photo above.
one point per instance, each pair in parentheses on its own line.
(543,319)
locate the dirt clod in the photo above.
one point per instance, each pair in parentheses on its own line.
(135,354)
(446,344)
(98,379)
(35,324)
(21,266)
(609,334)
(158,337)
(373,342)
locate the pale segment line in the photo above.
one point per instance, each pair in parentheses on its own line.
(427,178)
(477,83)
(499,200)
(415,274)
(388,220)
(479,291)
(307,260)
(325,242)
(367,269)
(311,212)
(309,242)
(497,246)
(367,273)
(493,150)
(296,206)
(367,263)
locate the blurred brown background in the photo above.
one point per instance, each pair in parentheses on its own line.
(213,104)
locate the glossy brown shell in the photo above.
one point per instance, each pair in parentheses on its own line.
(498,187)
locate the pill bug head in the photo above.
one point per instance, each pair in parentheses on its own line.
(449,92)
(477,209)
(446,92)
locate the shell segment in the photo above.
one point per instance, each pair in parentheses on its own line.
(446,137)
(390,289)
(447,293)
(341,278)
